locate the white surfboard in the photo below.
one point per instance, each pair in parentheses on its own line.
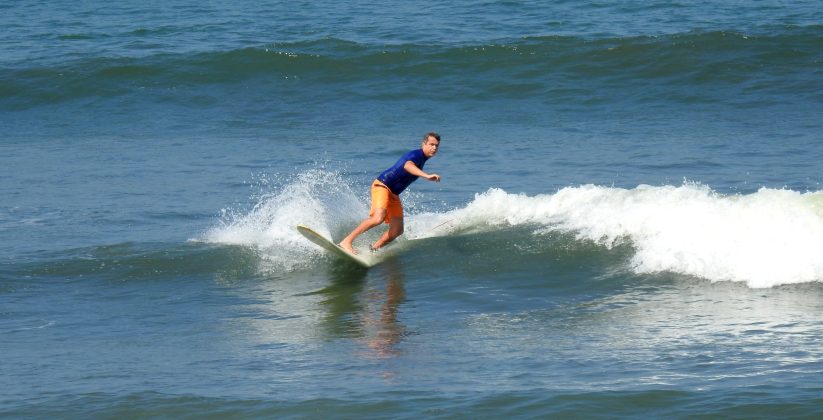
(330,246)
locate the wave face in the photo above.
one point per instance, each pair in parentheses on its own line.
(764,239)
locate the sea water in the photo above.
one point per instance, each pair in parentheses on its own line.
(629,221)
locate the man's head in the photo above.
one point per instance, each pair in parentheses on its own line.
(431,142)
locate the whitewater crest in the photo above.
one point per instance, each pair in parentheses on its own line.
(767,238)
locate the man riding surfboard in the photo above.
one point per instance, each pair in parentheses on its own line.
(385,193)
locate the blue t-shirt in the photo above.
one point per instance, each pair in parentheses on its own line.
(397,178)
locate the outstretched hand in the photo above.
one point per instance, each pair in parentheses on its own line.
(433,177)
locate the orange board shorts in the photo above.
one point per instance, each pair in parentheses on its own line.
(383,198)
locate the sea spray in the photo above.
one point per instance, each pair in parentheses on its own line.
(318,198)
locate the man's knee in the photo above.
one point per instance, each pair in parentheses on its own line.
(378,216)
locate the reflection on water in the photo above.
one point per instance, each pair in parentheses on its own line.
(366,309)
(384,330)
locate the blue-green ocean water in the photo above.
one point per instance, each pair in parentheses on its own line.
(630,221)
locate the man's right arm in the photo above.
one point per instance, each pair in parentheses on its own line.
(411,168)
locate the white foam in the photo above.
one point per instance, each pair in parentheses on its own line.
(764,239)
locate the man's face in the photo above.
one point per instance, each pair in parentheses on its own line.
(430,146)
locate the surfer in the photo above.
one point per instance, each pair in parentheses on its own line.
(385,193)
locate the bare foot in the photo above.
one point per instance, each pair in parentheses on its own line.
(347,247)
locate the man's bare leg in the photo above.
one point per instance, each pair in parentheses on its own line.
(395,230)
(375,219)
